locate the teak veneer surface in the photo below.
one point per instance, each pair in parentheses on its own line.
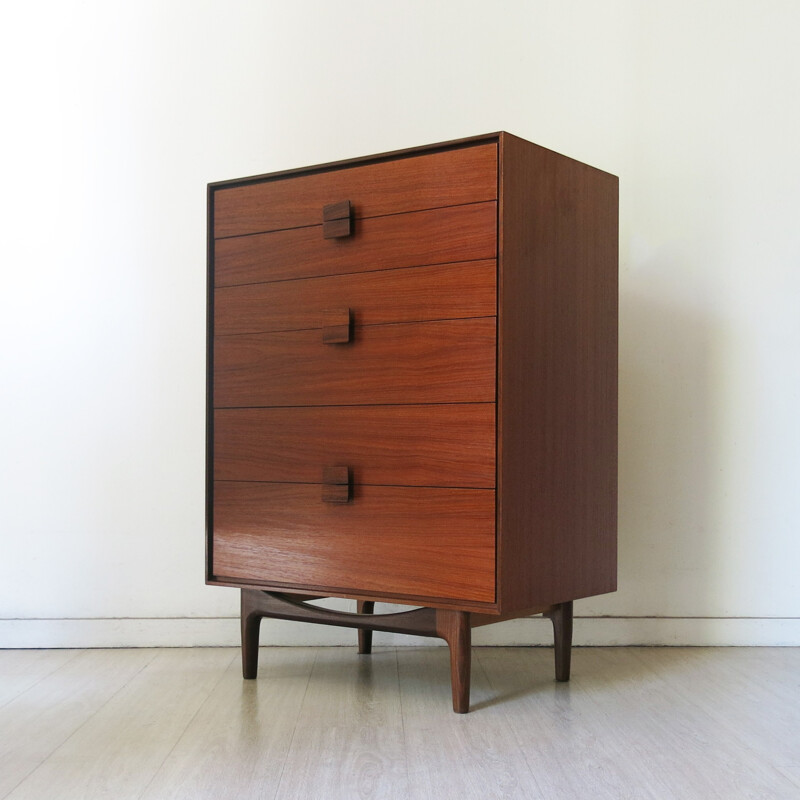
(557,378)
(550,222)
(447,291)
(401,445)
(406,541)
(450,177)
(413,386)
(436,236)
(446,361)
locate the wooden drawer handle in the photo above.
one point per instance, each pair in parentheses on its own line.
(337,220)
(336,484)
(338,326)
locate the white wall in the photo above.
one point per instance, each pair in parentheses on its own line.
(116,115)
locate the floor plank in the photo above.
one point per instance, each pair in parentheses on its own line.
(41,719)
(649,723)
(236,745)
(683,751)
(116,752)
(457,755)
(348,741)
(753,694)
(21,669)
(565,740)
(793,774)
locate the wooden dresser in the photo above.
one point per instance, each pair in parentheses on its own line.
(412,391)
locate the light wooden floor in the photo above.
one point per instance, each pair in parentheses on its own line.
(325,723)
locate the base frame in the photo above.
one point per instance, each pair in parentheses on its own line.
(454,626)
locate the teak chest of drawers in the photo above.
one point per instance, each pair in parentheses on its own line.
(412,391)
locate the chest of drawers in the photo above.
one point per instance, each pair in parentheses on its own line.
(412,376)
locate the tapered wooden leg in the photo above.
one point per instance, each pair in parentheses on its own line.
(454,628)
(251,623)
(561,617)
(365,637)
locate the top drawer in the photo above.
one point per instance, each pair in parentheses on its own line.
(450,177)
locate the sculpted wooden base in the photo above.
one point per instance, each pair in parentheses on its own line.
(454,626)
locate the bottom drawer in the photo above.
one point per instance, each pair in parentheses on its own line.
(400,541)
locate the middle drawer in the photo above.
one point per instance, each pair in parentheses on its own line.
(394,445)
(443,361)
(413,294)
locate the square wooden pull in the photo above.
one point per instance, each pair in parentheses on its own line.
(338,326)
(337,220)
(336,484)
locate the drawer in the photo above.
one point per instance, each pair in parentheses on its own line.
(405,542)
(451,177)
(403,445)
(447,361)
(438,236)
(414,294)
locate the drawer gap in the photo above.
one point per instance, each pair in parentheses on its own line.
(357,485)
(356,327)
(356,216)
(360,405)
(330,275)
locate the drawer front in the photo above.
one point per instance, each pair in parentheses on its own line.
(447,361)
(415,294)
(452,177)
(406,542)
(406,445)
(438,236)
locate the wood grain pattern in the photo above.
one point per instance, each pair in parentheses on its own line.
(320,722)
(437,236)
(337,220)
(450,177)
(473,606)
(348,742)
(334,211)
(338,327)
(407,541)
(454,628)
(21,669)
(415,294)
(282,605)
(557,372)
(401,445)
(364,635)
(447,361)
(156,703)
(336,484)
(249,756)
(561,617)
(713,761)
(438,322)
(764,713)
(337,228)
(40,720)
(471,758)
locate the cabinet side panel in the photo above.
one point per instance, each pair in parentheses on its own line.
(557,405)
(209,466)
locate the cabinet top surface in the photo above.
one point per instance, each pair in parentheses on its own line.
(468,141)
(375,157)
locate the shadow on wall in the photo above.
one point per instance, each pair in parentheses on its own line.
(666,549)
